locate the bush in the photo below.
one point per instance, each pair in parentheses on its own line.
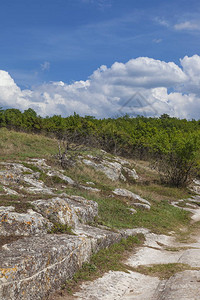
(177,161)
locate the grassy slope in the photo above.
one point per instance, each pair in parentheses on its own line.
(14,145)
(113,211)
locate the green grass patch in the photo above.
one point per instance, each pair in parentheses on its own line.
(61,228)
(114,213)
(15,145)
(163,271)
(20,207)
(162,218)
(82,174)
(31,166)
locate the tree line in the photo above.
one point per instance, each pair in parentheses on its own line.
(172,143)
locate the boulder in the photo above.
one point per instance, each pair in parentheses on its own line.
(141,205)
(18,224)
(131,173)
(130,195)
(57,210)
(112,170)
(68,210)
(86,210)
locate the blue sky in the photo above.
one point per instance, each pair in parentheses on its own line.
(67,40)
(75,37)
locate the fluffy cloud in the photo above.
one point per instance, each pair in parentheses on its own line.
(141,86)
(187,26)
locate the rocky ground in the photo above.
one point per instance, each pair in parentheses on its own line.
(47,234)
(137,286)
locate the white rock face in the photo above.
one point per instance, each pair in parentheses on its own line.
(89,188)
(86,210)
(33,267)
(191,205)
(181,286)
(6,208)
(10,191)
(131,173)
(141,205)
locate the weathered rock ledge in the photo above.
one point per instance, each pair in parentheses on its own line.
(32,267)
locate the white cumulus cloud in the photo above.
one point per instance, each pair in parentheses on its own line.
(141,86)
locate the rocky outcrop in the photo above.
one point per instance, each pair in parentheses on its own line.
(190,204)
(86,210)
(57,210)
(137,286)
(66,179)
(114,170)
(70,210)
(18,224)
(33,267)
(183,285)
(137,201)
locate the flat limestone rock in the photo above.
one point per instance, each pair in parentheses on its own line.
(131,195)
(118,286)
(148,256)
(111,169)
(67,179)
(131,173)
(100,238)
(6,208)
(89,188)
(182,286)
(18,224)
(191,257)
(10,191)
(39,190)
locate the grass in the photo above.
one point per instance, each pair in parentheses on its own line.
(163,271)
(114,213)
(158,192)
(20,207)
(31,166)
(61,228)
(106,259)
(18,145)
(82,174)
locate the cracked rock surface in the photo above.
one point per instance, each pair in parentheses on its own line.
(136,286)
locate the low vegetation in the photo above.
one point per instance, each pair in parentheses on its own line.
(172,143)
(105,260)
(164,151)
(61,228)
(163,271)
